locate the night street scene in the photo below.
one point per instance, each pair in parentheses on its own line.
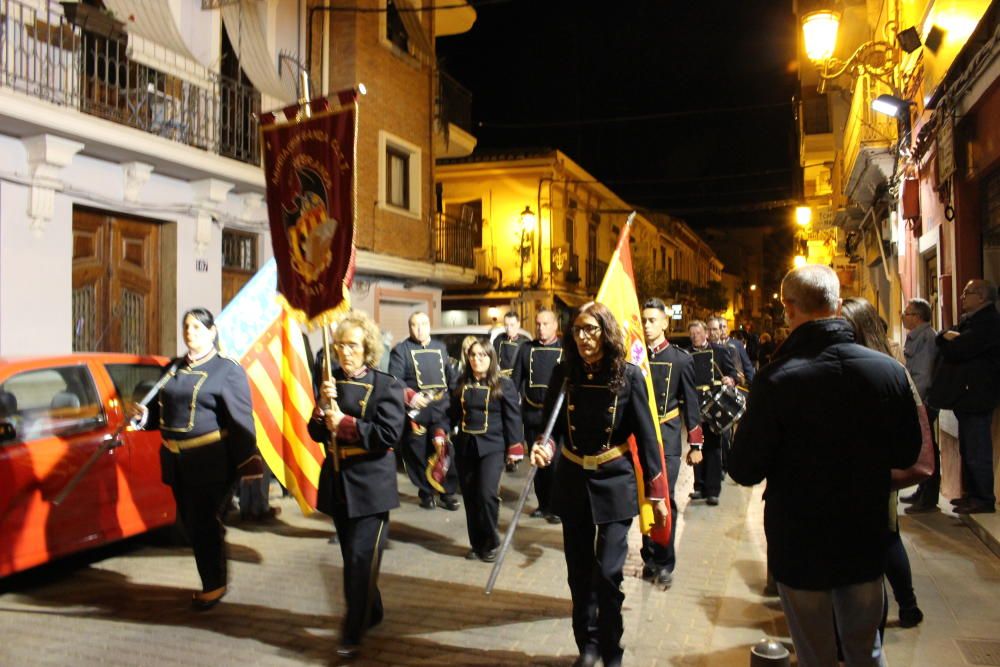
(500,332)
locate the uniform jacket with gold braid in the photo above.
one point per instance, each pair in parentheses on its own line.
(487,421)
(532,375)
(674,388)
(594,420)
(507,350)
(205,416)
(374,415)
(711,363)
(424,368)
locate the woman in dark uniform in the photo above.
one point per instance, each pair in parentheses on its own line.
(594,490)
(205,416)
(360,417)
(487,418)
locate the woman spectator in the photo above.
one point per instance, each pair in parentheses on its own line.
(486,414)
(360,417)
(205,416)
(594,489)
(765,350)
(870,331)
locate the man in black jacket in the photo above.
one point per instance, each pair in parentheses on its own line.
(826,422)
(968,382)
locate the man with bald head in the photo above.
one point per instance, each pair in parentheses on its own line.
(968,383)
(826,421)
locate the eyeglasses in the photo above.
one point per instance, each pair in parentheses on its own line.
(345,345)
(588,330)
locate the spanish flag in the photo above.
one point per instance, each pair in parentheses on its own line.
(618,293)
(267,341)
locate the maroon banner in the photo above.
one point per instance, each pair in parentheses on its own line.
(309,164)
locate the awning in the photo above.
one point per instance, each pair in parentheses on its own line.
(244,23)
(155,39)
(571,300)
(415,27)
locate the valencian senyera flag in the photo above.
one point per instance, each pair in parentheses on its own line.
(258,331)
(309,167)
(618,293)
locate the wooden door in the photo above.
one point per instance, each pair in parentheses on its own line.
(115,284)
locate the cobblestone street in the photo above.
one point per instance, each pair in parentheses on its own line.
(129,605)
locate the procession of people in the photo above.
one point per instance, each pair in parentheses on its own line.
(455,432)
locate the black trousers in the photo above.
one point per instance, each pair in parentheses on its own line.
(594,568)
(543,476)
(479,477)
(417,449)
(654,555)
(708,473)
(362,541)
(201,507)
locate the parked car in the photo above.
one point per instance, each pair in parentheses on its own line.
(452,338)
(55,412)
(680,338)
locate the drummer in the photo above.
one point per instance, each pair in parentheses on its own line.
(713,368)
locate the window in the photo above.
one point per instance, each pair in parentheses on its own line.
(239,250)
(397,182)
(395,31)
(133,381)
(51,402)
(400,164)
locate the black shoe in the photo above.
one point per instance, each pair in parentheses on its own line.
(648,571)
(349,651)
(427,503)
(696,495)
(448,502)
(490,555)
(205,601)
(471,555)
(910,617)
(552,518)
(511,467)
(910,499)
(712,500)
(537,514)
(586,659)
(959,501)
(664,578)
(974,507)
(921,508)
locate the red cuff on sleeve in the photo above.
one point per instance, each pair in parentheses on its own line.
(695,436)
(408,395)
(657,488)
(440,433)
(347,429)
(516,451)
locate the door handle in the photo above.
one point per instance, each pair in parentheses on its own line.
(112,441)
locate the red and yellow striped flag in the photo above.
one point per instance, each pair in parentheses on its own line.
(618,293)
(268,343)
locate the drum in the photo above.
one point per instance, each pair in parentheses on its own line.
(723,408)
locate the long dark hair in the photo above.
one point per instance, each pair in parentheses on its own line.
(612,341)
(492,379)
(203,315)
(868,328)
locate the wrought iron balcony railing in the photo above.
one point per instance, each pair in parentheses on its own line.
(45,56)
(454,241)
(595,273)
(454,103)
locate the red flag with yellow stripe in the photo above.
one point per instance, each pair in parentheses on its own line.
(618,293)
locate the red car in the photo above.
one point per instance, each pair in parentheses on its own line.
(55,412)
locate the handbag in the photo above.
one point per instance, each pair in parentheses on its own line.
(924,465)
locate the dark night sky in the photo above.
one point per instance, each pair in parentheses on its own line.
(543,71)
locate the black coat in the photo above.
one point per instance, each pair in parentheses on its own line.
(200,399)
(674,389)
(826,421)
(532,375)
(366,483)
(486,421)
(711,364)
(507,350)
(968,375)
(425,368)
(594,417)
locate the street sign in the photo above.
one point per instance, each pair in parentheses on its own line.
(676,311)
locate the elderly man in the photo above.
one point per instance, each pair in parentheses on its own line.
(826,422)
(920,351)
(718,332)
(968,383)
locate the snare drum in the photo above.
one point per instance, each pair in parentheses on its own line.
(723,408)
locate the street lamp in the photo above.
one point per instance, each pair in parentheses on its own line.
(527,221)
(800,260)
(876,58)
(803,215)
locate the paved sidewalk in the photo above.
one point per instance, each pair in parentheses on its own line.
(285,600)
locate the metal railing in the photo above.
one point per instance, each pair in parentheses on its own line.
(865,127)
(45,56)
(595,272)
(454,102)
(454,241)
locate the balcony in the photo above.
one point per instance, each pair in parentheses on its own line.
(454,119)
(455,240)
(44,56)
(573,268)
(869,143)
(595,273)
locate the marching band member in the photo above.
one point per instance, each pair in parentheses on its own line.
(205,416)
(595,490)
(421,364)
(360,416)
(487,419)
(713,367)
(507,344)
(532,374)
(674,387)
